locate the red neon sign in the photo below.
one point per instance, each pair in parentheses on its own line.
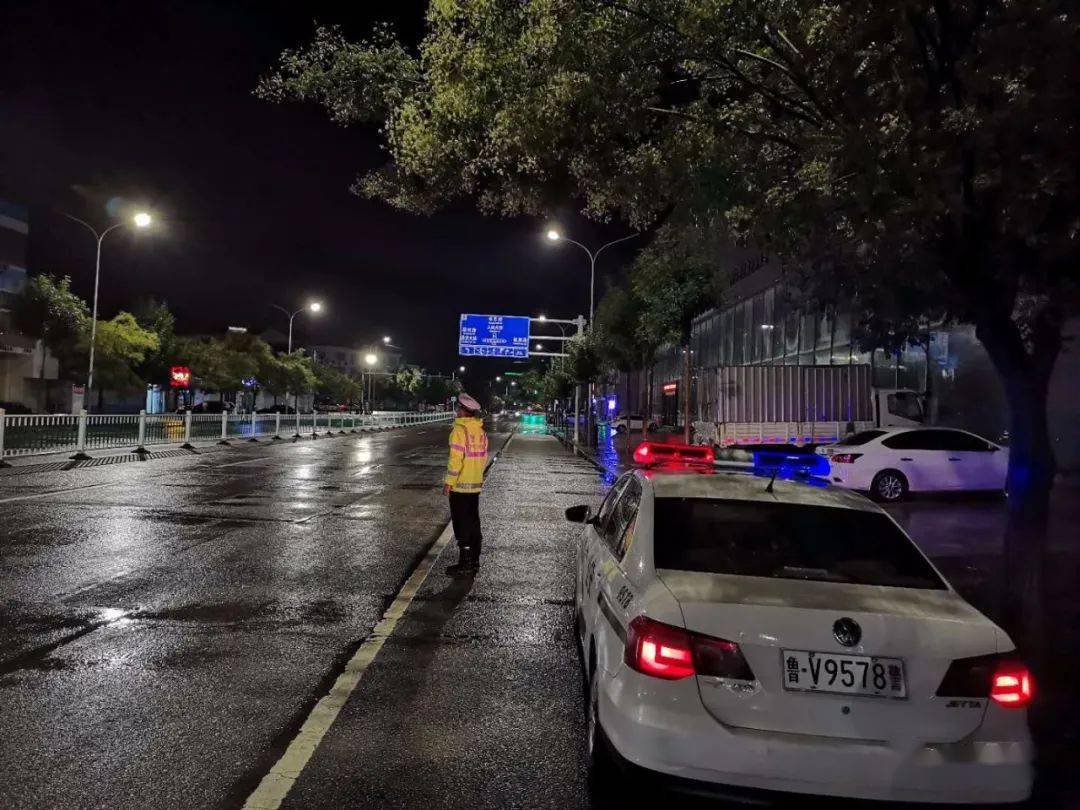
(179,377)
(671,388)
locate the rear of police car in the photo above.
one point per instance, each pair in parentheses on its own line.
(797,640)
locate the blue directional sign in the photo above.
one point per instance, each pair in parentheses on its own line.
(494,336)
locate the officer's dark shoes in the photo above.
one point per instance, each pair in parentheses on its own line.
(466,563)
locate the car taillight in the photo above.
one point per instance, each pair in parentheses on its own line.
(1004,680)
(845,458)
(1012,684)
(663,651)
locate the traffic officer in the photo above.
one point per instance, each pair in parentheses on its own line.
(464,479)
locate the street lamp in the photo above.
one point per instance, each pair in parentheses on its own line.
(539,347)
(386,340)
(461,369)
(140,220)
(311,306)
(554,236)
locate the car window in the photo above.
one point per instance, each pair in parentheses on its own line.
(963,442)
(622,527)
(607,508)
(787,541)
(862,437)
(914,440)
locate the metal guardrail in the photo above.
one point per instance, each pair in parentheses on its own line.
(40,434)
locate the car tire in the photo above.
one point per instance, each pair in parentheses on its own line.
(889,486)
(601,768)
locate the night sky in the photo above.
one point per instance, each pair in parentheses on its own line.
(151,102)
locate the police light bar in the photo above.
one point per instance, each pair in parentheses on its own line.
(651,453)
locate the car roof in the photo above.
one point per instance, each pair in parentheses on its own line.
(739,485)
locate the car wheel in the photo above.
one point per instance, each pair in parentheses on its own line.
(889,486)
(601,768)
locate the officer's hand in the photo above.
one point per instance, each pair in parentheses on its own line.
(446,490)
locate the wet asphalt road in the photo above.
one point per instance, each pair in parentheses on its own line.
(166,626)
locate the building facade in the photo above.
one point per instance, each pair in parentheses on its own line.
(754,327)
(26,369)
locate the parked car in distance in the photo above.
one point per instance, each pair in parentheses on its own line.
(890,463)
(630,423)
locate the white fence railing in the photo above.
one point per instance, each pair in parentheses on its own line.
(36,434)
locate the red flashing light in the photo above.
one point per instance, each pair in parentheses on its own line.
(845,458)
(179,377)
(1012,685)
(651,453)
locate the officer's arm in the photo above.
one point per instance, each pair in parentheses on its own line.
(457,456)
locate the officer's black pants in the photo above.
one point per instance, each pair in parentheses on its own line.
(465,515)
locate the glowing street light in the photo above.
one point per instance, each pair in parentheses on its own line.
(539,347)
(553,235)
(371,359)
(310,306)
(386,340)
(461,369)
(140,220)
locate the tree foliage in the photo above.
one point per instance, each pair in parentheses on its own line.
(47,309)
(915,159)
(121,345)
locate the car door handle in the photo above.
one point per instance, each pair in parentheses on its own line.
(954,458)
(904,459)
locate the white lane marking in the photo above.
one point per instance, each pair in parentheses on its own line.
(51,492)
(240,463)
(277,783)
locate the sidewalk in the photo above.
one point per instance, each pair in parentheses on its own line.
(475,701)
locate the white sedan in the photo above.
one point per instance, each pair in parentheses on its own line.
(890,463)
(787,638)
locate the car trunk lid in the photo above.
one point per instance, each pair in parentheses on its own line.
(926,629)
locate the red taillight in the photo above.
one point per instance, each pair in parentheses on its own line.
(1012,684)
(663,651)
(659,649)
(845,458)
(1006,681)
(659,453)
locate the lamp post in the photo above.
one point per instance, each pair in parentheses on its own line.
(371,359)
(553,235)
(140,220)
(311,306)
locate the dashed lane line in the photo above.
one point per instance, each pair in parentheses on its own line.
(277,783)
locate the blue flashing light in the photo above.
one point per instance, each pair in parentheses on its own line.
(806,467)
(611,404)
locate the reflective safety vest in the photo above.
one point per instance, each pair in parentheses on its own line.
(468,455)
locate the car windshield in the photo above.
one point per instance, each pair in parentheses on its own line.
(860,438)
(787,541)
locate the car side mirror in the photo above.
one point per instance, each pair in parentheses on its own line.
(578,514)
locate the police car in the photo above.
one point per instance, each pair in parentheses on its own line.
(739,631)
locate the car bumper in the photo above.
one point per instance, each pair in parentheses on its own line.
(677,739)
(846,476)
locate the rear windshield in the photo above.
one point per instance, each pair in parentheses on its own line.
(860,438)
(787,541)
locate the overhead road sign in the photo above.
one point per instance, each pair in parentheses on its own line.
(494,336)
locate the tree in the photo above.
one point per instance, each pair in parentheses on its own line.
(154,316)
(48,310)
(335,387)
(120,347)
(913,143)
(626,338)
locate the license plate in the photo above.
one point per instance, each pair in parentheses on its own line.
(806,671)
